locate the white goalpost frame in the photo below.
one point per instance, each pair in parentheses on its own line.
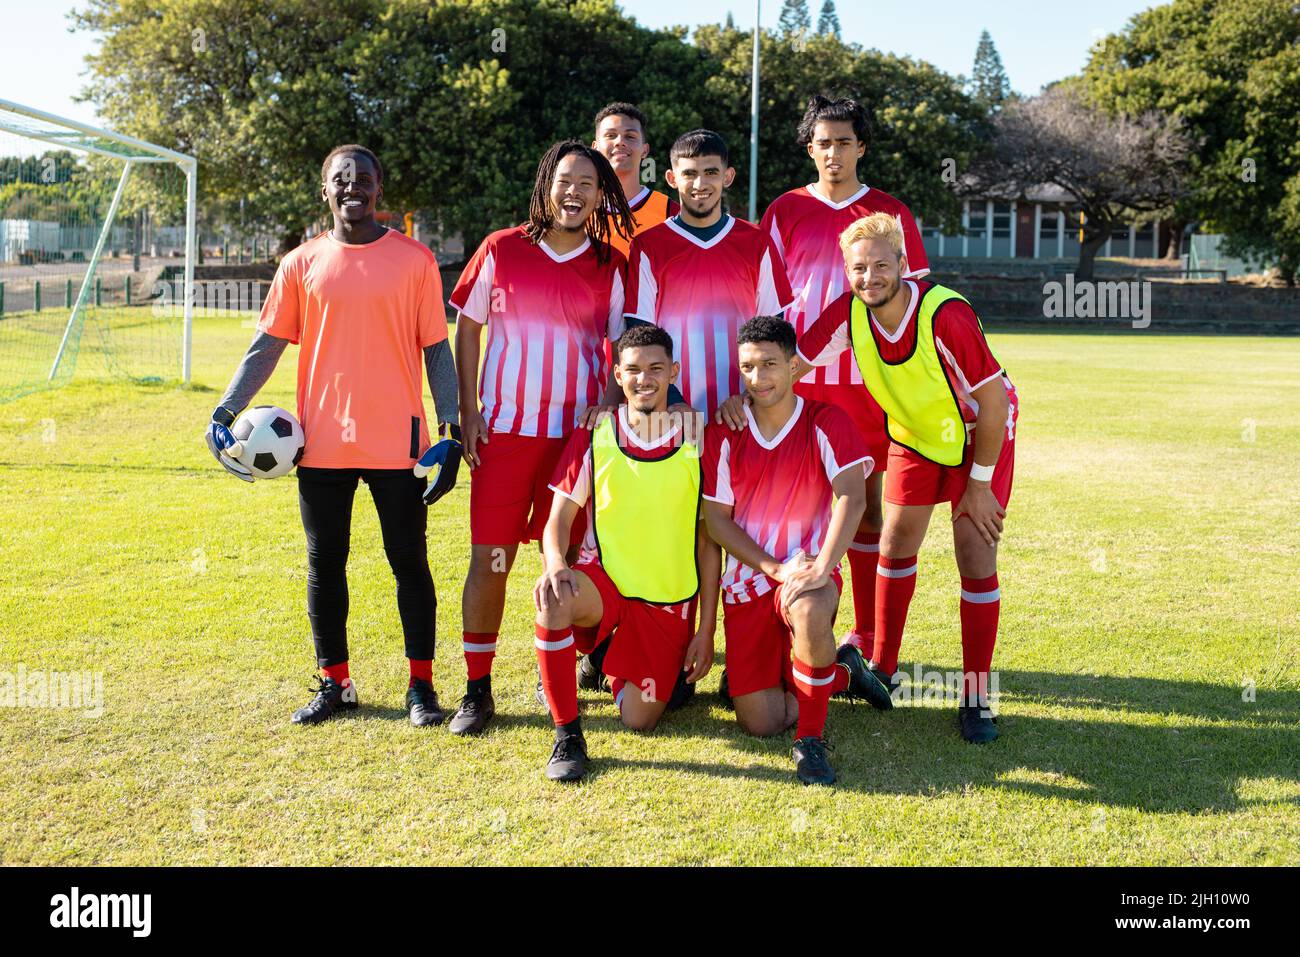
(145,152)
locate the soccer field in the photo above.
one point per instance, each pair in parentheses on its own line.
(1148,659)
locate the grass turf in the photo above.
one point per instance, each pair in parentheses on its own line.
(1148,571)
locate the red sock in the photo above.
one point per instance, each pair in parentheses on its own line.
(812,689)
(895,583)
(863,556)
(480,648)
(557,656)
(338,672)
(421,670)
(981,601)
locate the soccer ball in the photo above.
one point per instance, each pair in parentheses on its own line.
(268,441)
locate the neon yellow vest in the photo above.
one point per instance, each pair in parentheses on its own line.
(645,513)
(921,410)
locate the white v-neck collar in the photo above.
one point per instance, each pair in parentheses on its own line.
(785,429)
(572,254)
(687,234)
(634,439)
(907,316)
(639,197)
(812,188)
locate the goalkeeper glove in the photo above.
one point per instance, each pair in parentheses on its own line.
(442,461)
(223,445)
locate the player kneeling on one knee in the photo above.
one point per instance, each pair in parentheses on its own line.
(644,560)
(768,494)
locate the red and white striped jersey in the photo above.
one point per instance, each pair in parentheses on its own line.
(779,490)
(806,227)
(548,316)
(701,293)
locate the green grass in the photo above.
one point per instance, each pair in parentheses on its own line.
(1149,568)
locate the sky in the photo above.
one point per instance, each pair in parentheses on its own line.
(42,64)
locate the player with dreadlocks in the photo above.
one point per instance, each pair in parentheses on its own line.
(550,292)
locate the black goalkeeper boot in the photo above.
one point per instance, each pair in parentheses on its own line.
(331,698)
(422,703)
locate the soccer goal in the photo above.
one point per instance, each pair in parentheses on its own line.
(97,250)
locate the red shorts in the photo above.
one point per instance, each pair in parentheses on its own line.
(862,409)
(509,497)
(648,649)
(915,480)
(758,641)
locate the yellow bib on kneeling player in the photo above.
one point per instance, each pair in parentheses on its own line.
(644,518)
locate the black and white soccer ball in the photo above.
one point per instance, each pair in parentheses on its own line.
(269,441)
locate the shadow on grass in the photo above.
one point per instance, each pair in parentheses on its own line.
(1151,767)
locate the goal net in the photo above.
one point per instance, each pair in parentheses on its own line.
(96,254)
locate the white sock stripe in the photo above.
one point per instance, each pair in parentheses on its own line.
(553,645)
(479,649)
(855,547)
(810,680)
(884,572)
(618,698)
(981,597)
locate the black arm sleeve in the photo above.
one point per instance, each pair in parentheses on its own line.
(441,370)
(253,372)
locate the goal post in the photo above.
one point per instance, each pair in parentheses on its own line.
(110,218)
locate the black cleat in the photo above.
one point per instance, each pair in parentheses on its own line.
(569,756)
(892,682)
(811,763)
(724,692)
(422,702)
(331,698)
(475,711)
(864,684)
(590,675)
(978,726)
(683,692)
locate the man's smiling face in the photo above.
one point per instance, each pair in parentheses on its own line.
(352,187)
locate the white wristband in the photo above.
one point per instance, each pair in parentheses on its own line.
(982,473)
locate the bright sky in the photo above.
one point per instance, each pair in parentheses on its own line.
(42,63)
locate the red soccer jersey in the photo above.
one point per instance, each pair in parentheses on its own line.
(963,351)
(779,490)
(548,316)
(806,228)
(572,477)
(701,293)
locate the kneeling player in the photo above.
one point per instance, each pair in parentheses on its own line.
(643,560)
(768,501)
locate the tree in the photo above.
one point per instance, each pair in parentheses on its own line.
(989,85)
(1230,70)
(731,21)
(1113,167)
(828,21)
(921,116)
(794,18)
(258,91)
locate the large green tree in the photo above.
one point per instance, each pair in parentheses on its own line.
(461,97)
(1230,69)
(924,126)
